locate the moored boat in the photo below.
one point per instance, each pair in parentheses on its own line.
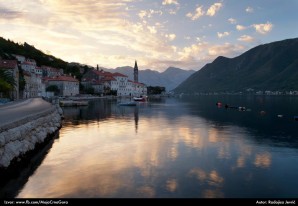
(140,99)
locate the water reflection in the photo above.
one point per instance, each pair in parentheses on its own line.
(263,160)
(13,181)
(170,148)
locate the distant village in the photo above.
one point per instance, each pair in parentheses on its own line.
(47,81)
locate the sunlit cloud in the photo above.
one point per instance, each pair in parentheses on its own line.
(240,27)
(149,13)
(113,32)
(213,9)
(263,28)
(152,29)
(221,35)
(246,38)
(171,37)
(142,14)
(6,13)
(198,13)
(172,11)
(232,21)
(226,49)
(169,2)
(249,10)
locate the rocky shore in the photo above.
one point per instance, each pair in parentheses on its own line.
(20,137)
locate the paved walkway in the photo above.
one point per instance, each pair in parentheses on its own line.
(15,111)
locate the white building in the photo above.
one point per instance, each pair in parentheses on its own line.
(34,86)
(104,82)
(67,85)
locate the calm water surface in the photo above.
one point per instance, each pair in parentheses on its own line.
(183,147)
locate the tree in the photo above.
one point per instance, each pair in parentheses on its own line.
(7,82)
(22,81)
(7,77)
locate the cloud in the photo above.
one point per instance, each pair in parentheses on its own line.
(149,13)
(169,2)
(249,10)
(246,38)
(225,49)
(142,14)
(171,37)
(232,21)
(213,9)
(198,13)
(263,28)
(6,13)
(240,27)
(221,35)
(152,29)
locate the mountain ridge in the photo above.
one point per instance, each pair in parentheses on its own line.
(271,66)
(170,78)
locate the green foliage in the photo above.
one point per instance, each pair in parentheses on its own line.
(7,77)
(89,90)
(22,81)
(7,82)
(74,70)
(113,92)
(155,90)
(9,47)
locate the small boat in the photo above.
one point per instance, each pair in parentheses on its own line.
(140,99)
(127,104)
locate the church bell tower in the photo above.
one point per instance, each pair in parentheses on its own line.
(136,72)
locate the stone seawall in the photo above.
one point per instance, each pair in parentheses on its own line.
(22,136)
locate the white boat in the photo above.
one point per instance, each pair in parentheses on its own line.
(140,99)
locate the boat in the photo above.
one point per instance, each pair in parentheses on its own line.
(127,104)
(140,99)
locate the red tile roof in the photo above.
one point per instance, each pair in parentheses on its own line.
(62,78)
(26,73)
(119,74)
(8,64)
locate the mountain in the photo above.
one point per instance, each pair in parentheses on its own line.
(169,79)
(8,48)
(272,66)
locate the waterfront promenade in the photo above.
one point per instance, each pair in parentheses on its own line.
(15,111)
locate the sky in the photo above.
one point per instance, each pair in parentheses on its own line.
(157,33)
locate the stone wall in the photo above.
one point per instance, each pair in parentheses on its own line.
(20,137)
